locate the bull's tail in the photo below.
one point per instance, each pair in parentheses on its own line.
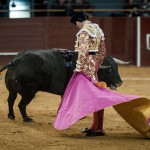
(5,67)
(13,62)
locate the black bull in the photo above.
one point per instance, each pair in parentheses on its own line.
(49,71)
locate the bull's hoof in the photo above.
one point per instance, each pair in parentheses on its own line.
(12,117)
(27,119)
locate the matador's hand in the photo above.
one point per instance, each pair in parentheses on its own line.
(76,70)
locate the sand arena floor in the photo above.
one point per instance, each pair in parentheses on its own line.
(41,135)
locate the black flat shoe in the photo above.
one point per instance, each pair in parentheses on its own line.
(96,133)
(86,130)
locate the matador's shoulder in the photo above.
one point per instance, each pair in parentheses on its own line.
(89,28)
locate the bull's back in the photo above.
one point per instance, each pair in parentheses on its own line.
(37,70)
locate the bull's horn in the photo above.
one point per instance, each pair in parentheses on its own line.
(104,67)
(120,62)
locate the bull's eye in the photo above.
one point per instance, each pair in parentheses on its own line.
(109,70)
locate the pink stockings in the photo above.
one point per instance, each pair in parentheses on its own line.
(97,124)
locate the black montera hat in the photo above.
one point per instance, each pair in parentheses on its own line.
(80,16)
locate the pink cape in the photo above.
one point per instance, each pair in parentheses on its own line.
(82,97)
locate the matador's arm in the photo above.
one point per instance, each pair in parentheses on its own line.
(82,48)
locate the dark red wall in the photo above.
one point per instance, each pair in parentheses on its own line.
(57,32)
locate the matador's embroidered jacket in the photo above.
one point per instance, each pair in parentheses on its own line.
(90,39)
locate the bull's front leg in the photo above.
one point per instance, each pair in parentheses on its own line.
(22,106)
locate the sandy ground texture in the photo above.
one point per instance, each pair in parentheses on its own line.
(41,135)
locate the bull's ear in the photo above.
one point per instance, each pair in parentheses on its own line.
(104,67)
(120,62)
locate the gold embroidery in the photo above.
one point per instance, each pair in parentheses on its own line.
(86,63)
(90,29)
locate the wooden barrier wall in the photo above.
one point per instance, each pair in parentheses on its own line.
(145,53)
(57,32)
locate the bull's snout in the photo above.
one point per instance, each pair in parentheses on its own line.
(114,86)
(119,84)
